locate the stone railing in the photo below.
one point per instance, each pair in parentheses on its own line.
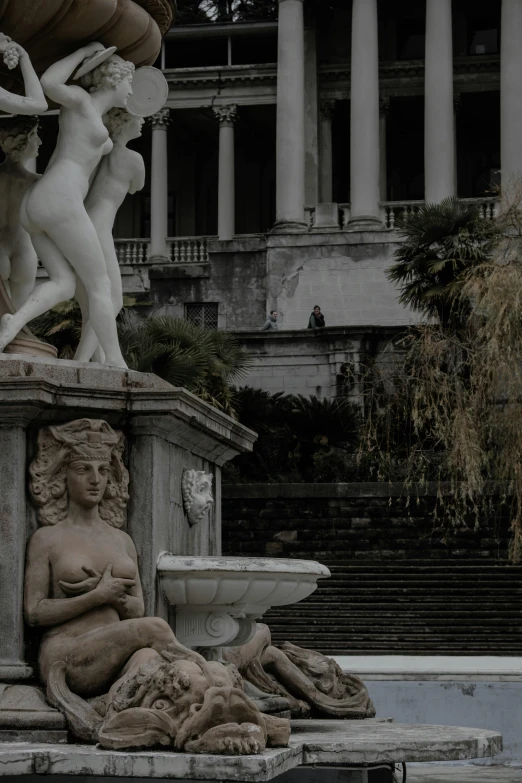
(182,250)
(188,250)
(132,251)
(391,210)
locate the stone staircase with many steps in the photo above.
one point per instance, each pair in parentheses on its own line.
(409,607)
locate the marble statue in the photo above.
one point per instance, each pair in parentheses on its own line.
(33,102)
(120,172)
(313,683)
(120,678)
(18,261)
(53,210)
(196,490)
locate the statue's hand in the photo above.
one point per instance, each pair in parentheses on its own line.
(85,586)
(92,48)
(113,589)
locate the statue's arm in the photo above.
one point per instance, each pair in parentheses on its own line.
(55,77)
(132,605)
(40,610)
(138,179)
(33,102)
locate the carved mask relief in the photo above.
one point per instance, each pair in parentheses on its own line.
(196,490)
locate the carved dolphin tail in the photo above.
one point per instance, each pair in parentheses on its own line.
(82,719)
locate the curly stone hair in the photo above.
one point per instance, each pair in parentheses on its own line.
(116,119)
(82,439)
(107,75)
(15,135)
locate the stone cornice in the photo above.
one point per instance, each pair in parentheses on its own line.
(413,69)
(232,74)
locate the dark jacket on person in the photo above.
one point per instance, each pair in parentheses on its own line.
(270,324)
(316,321)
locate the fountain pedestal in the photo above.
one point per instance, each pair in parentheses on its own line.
(167,430)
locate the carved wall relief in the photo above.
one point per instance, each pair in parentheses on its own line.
(196,490)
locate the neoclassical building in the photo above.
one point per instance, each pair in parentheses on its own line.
(289,145)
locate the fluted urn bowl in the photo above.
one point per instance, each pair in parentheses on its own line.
(218,599)
(52,29)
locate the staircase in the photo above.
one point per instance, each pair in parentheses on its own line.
(411,607)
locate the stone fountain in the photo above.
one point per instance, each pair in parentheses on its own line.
(123,627)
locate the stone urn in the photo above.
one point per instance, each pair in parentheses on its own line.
(53,29)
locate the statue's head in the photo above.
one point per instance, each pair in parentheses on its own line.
(80,461)
(19,138)
(196,489)
(120,122)
(113,74)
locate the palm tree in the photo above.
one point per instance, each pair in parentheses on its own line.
(439,244)
(207,362)
(204,361)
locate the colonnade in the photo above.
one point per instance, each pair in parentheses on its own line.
(367,121)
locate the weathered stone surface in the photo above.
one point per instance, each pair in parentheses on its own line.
(25,707)
(312,742)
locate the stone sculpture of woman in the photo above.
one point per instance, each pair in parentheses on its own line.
(120,172)
(18,261)
(53,210)
(82,588)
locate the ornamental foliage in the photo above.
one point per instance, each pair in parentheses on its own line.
(451,411)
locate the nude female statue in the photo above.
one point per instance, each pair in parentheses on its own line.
(82,582)
(18,261)
(53,210)
(120,172)
(82,587)
(33,102)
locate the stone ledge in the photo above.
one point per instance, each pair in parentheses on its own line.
(47,391)
(330,742)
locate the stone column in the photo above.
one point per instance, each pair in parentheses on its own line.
(159,188)
(290,130)
(13,466)
(511,91)
(384,108)
(226,115)
(439,121)
(364,118)
(327,109)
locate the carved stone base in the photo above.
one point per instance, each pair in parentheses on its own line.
(25,342)
(25,716)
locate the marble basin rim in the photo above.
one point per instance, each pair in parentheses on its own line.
(250,585)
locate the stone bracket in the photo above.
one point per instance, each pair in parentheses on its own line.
(213,626)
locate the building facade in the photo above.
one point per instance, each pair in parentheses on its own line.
(289,145)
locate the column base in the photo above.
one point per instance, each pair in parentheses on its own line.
(364,223)
(289,227)
(159,258)
(14,672)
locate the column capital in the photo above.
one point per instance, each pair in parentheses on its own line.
(227,114)
(327,109)
(161,119)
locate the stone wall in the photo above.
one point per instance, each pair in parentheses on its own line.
(323,362)
(344,272)
(346,521)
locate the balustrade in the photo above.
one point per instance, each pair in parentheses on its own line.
(182,250)
(391,210)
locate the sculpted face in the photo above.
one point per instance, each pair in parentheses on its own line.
(203,499)
(123,91)
(87,481)
(33,145)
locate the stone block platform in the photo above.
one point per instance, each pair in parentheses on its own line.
(333,743)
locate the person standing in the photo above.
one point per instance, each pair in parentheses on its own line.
(316,320)
(270,324)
